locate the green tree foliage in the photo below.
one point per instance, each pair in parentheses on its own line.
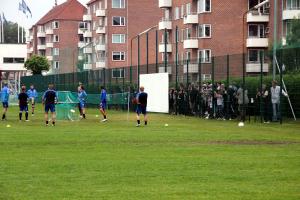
(37,64)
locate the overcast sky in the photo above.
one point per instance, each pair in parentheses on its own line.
(38,8)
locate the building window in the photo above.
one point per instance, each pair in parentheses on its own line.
(118,3)
(118,21)
(177,14)
(118,73)
(178,36)
(188,9)
(188,56)
(182,11)
(118,38)
(204,31)
(292,4)
(163,57)
(203,6)
(13,60)
(55,38)
(41,29)
(118,56)
(182,34)
(256,31)
(55,25)
(56,64)
(253,55)
(82,25)
(188,33)
(204,55)
(55,51)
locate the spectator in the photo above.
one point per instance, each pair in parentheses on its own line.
(275,98)
(243,100)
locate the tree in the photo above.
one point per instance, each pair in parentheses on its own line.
(37,64)
(293,37)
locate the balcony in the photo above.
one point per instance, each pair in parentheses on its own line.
(87,34)
(191,19)
(41,34)
(191,43)
(161,48)
(100,13)
(50,58)
(100,64)
(80,57)
(88,50)
(100,30)
(257,42)
(49,32)
(49,45)
(257,17)
(165,24)
(291,14)
(86,18)
(193,68)
(164,3)
(81,44)
(81,31)
(255,67)
(87,66)
(100,47)
(41,47)
(161,69)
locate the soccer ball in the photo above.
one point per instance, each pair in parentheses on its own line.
(241,124)
(8,126)
(72,111)
(166,125)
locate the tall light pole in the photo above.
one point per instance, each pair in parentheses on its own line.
(274,39)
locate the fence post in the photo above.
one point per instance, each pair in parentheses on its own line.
(123,72)
(244,88)
(281,85)
(147,51)
(176,58)
(227,84)
(213,84)
(104,77)
(187,72)
(156,50)
(138,67)
(261,86)
(200,72)
(165,54)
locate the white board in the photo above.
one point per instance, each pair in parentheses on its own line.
(157,87)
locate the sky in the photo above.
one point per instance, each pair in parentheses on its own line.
(39,8)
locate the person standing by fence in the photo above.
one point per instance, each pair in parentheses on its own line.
(243,101)
(275,99)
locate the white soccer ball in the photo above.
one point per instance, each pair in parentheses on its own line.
(8,126)
(241,124)
(166,125)
(72,111)
(97,115)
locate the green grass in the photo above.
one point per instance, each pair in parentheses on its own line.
(190,159)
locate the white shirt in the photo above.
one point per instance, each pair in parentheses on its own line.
(275,94)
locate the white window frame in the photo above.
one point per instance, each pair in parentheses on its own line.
(177,13)
(120,4)
(121,71)
(204,26)
(203,2)
(54,25)
(56,63)
(258,54)
(120,17)
(258,29)
(122,38)
(204,58)
(182,11)
(54,38)
(55,51)
(188,8)
(120,54)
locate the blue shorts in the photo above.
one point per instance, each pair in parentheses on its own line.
(141,109)
(50,107)
(102,106)
(24,108)
(81,105)
(5,104)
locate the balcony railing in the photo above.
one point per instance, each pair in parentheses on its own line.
(191,43)
(191,18)
(165,24)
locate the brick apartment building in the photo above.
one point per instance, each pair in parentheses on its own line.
(55,36)
(214,28)
(107,28)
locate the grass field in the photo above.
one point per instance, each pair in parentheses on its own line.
(189,159)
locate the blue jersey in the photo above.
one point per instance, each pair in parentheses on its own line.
(50,97)
(5,94)
(32,93)
(142,98)
(103,96)
(82,96)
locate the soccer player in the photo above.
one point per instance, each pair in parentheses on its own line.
(141,106)
(23,103)
(32,94)
(82,101)
(49,100)
(103,104)
(78,91)
(4,99)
